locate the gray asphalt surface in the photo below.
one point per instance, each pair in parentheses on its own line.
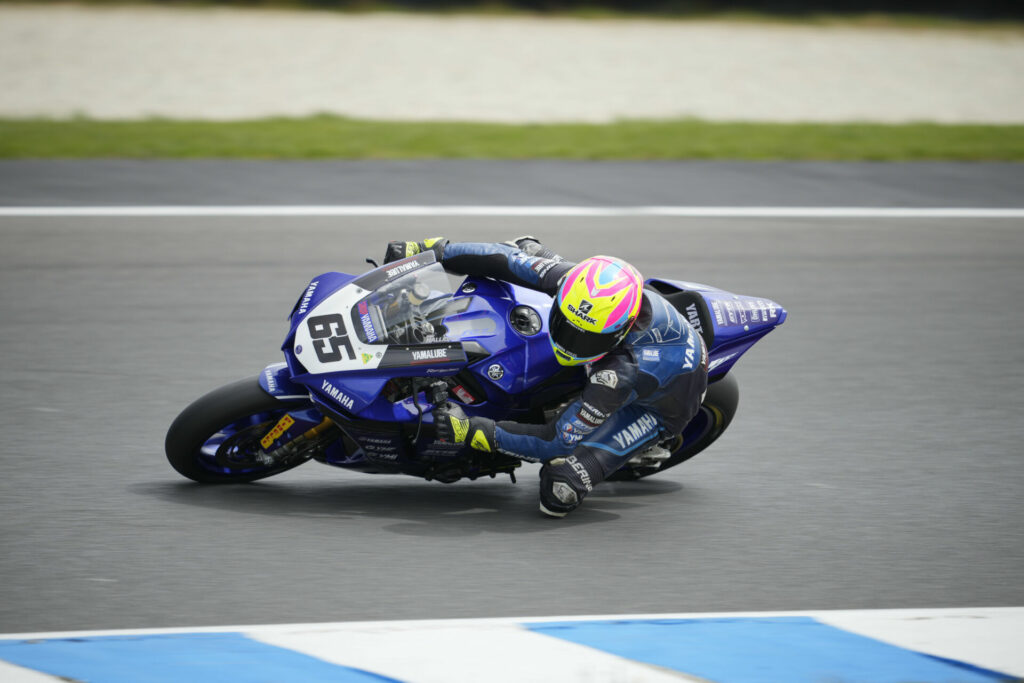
(71,183)
(875,461)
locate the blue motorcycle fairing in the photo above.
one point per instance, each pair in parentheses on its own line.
(736,321)
(276,380)
(318,289)
(352,394)
(516,361)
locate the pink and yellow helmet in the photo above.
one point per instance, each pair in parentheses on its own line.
(596,305)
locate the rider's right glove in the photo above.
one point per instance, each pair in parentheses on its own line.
(454,427)
(400,250)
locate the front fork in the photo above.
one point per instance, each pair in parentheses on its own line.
(275,446)
(302,445)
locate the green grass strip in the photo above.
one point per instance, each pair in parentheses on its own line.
(331,137)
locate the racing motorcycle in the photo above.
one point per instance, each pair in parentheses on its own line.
(368,358)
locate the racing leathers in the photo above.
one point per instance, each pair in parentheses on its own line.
(645,390)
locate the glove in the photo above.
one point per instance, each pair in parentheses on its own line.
(531,246)
(523,242)
(454,427)
(400,250)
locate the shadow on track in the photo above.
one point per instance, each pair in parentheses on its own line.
(417,508)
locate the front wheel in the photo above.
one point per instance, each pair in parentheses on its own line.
(216,440)
(715,414)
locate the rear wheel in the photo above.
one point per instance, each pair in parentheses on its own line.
(715,414)
(216,440)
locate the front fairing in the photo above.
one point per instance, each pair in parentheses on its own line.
(350,337)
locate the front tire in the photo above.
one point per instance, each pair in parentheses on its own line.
(216,438)
(715,414)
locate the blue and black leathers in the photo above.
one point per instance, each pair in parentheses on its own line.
(660,366)
(660,369)
(645,390)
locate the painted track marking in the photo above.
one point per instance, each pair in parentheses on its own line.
(514,211)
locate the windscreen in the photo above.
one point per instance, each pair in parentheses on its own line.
(410,309)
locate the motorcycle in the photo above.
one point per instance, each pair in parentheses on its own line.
(368,358)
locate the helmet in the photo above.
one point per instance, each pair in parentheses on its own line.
(596,305)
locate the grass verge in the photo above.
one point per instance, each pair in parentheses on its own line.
(332,137)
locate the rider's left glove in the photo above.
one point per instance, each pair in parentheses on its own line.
(454,427)
(400,250)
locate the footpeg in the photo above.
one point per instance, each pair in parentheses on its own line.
(651,457)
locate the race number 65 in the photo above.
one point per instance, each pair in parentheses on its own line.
(329,337)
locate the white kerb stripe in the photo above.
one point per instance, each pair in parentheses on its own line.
(514,211)
(988,637)
(492,652)
(9,673)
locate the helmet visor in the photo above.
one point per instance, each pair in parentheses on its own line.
(581,344)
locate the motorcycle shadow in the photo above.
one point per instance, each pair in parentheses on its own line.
(415,507)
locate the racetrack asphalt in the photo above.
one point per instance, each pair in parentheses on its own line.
(539,182)
(875,461)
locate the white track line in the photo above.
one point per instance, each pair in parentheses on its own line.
(511,211)
(830,615)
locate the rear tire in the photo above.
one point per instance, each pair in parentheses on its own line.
(715,414)
(213,441)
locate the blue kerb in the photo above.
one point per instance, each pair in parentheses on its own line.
(726,650)
(763,650)
(172,658)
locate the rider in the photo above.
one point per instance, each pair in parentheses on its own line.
(647,365)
